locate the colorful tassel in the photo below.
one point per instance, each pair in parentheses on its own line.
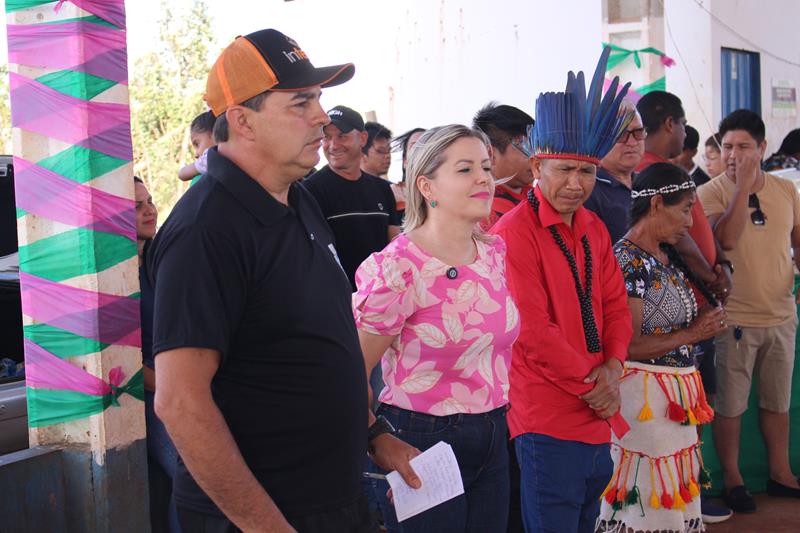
(654,501)
(694,490)
(702,400)
(646,413)
(666,499)
(610,493)
(677,501)
(676,413)
(704,478)
(692,417)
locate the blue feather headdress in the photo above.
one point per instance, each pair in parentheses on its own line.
(572,125)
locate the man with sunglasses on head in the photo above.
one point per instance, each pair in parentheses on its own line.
(611,197)
(507,129)
(756,217)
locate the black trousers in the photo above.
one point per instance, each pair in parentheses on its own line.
(352,518)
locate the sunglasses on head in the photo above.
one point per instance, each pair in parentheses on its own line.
(758,217)
(638,133)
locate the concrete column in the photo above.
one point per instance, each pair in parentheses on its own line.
(78,262)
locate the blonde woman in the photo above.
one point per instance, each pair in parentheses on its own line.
(433,307)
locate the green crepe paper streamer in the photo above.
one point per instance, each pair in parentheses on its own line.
(659,85)
(47,407)
(18,5)
(76,84)
(60,342)
(94,19)
(136,295)
(81,164)
(623,53)
(21,213)
(64,255)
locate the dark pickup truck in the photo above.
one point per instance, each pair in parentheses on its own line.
(13,407)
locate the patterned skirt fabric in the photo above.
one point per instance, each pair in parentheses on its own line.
(658,467)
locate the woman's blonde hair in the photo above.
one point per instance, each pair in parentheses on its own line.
(424,159)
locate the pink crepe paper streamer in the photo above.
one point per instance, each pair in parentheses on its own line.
(49,195)
(667,61)
(111,10)
(44,370)
(632,95)
(42,110)
(100,316)
(68,45)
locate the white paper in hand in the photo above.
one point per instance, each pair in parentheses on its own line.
(441,480)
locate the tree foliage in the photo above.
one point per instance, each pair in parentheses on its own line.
(166,90)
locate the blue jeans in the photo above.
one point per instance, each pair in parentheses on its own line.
(562,482)
(479,444)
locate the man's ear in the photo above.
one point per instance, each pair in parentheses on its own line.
(536,167)
(363,136)
(239,122)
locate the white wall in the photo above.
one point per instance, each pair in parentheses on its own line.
(771,25)
(426,62)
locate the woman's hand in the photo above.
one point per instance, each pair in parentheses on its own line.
(710,322)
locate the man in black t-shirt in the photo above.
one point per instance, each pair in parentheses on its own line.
(359,207)
(261,379)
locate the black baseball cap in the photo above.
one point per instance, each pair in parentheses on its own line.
(346,119)
(265,60)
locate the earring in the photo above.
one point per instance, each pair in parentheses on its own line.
(434,203)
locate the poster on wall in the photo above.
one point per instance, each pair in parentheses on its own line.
(784,98)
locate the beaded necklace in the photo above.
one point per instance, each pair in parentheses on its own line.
(584,295)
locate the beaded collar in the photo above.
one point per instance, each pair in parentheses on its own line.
(584,295)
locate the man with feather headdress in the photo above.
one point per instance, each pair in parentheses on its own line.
(576,325)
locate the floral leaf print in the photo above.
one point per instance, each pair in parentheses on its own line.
(466,291)
(369,268)
(411,352)
(431,268)
(473,351)
(393,274)
(452,325)
(485,364)
(448,406)
(430,335)
(486,304)
(512,314)
(480,268)
(475,318)
(501,371)
(420,381)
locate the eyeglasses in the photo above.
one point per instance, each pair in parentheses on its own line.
(638,133)
(523,146)
(758,217)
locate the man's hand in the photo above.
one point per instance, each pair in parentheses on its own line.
(748,168)
(604,397)
(721,287)
(391,453)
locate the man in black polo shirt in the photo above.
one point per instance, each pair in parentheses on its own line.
(261,380)
(359,207)
(611,197)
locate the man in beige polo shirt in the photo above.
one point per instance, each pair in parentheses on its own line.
(756,218)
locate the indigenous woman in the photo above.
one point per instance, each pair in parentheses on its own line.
(658,465)
(434,308)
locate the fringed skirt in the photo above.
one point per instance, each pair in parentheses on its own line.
(658,468)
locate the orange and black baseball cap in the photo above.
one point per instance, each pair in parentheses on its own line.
(266,60)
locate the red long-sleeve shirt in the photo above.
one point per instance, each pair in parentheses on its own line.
(550,358)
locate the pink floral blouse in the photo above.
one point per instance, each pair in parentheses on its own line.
(453,347)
